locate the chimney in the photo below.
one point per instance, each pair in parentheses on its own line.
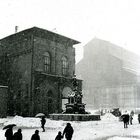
(16,29)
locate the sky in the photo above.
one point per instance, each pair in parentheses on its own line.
(117,21)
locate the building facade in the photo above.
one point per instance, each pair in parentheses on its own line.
(110,76)
(37,66)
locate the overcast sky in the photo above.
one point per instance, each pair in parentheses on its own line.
(117,21)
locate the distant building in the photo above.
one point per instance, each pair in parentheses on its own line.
(37,65)
(110,76)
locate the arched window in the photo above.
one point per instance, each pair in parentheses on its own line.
(64,66)
(47,62)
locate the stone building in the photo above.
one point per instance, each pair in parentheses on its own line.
(37,65)
(111,76)
(3,101)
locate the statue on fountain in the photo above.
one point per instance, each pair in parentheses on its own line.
(75,109)
(75,105)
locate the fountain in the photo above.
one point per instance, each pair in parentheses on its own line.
(75,105)
(75,109)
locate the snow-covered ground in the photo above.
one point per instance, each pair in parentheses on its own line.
(109,128)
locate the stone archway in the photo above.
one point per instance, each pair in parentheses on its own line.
(46,99)
(49,101)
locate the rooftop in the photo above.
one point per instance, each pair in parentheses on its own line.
(42,33)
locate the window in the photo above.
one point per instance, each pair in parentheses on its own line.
(64,66)
(47,62)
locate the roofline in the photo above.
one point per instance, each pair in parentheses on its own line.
(33,28)
(76,42)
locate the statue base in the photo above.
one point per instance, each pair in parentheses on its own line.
(75,117)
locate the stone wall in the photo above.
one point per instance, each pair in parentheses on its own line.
(24,53)
(18,49)
(57,51)
(3,101)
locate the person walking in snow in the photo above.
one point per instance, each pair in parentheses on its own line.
(68,132)
(35,136)
(17,135)
(43,121)
(59,136)
(131,118)
(125,118)
(139,118)
(9,134)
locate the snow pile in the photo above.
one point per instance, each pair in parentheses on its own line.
(52,124)
(109,116)
(135,117)
(108,128)
(122,138)
(3,120)
(136,133)
(98,112)
(24,122)
(29,122)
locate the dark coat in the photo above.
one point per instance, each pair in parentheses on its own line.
(125,118)
(35,137)
(59,137)
(9,134)
(43,121)
(131,117)
(139,116)
(17,136)
(68,131)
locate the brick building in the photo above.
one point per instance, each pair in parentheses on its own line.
(37,65)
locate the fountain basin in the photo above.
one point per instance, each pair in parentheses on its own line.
(75,117)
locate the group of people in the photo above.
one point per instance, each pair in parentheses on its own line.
(18,135)
(10,136)
(68,132)
(127,119)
